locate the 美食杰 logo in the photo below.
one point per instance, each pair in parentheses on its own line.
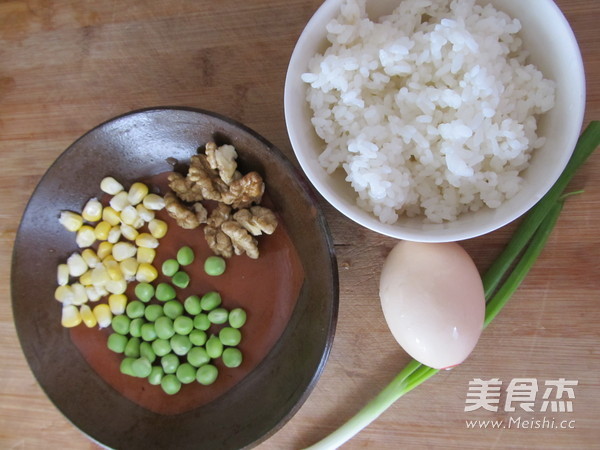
(522,394)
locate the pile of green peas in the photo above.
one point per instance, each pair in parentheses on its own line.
(170,342)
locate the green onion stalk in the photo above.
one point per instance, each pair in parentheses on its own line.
(520,254)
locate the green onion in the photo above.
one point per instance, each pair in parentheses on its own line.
(586,145)
(518,274)
(528,241)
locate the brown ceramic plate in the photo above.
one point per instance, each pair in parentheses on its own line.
(132,147)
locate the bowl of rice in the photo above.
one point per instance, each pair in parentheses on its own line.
(434,120)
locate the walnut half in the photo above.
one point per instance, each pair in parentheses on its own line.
(207,180)
(185,189)
(222,159)
(242,241)
(245,191)
(218,241)
(257,220)
(185,217)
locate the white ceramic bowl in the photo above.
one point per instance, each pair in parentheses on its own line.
(553,49)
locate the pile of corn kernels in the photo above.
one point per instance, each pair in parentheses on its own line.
(115,251)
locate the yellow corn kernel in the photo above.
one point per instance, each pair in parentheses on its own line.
(158,228)
(119,201)
(103,315)
(92,211)
(145,255)
(86,278)
(62,274)
(145,214)
(154,202)
(85,236)
(137,192)
(104,249)
(146,273)
(110,215)
(114,235)
(117,303)
(77,265)
(123,250)
(70,220)
(101,230)
(116,286)
(64,294)
(129,268)
(129,215)
(70,316)
(93,293)
(90,257)
(100,276)
(87,316)
(139,223)
(129,232)
(110,186)
(79,294)
(146,240)
(108,258)
(113,269)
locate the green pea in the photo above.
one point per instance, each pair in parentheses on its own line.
(180,344)
(183,325)
(165,292)
(186,373)
(173,309)
(192,305)
(181,279)
(197,356)
(161,347)
(207,374)
(120,324)
(135,309)
(155,376)
(214,347)
(185,256)
(230,336)
(147,352)
(210,301)
(164,327)
(198,337)
(135,327)
(201,322)
(153,312)
(125,366)
(232,357)
(214,266)
(169,363)
(148,332)
(144,292)
(141,367)
(132,348)
(218,316)
(117,342)
(170,267)
(237,317)
(170,384)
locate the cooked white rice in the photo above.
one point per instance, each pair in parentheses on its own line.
(430,111)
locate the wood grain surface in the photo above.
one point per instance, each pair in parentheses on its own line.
(66,66)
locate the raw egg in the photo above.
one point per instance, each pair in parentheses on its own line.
(433,301)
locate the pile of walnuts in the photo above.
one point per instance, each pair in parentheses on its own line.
(233,224)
